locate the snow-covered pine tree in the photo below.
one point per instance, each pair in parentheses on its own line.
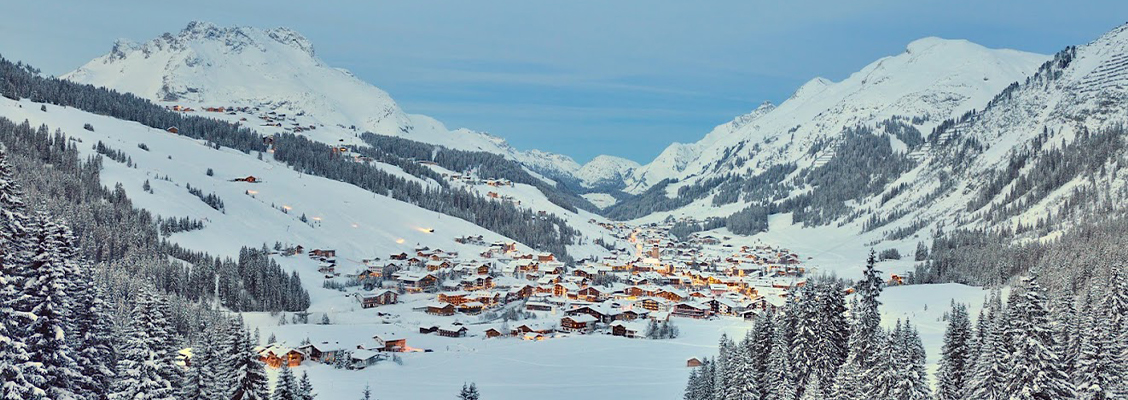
(1034,369)
(367,393)
(14,245)
(955,356)
(866,336)
(879,381)
(691,386)
(834,339)
(305,388)
(1097,374)
(780,380)
(138,372)
(814,390)
(742,385)
(469,392)
(805,339)
(286,388)
(93,336)
(913,381)
(249,374)
(52,367)
(760,348)
(989,370)
(721,373)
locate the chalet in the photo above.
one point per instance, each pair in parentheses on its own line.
(274,354)
(538,306)
(435,265)
(445,309)
(895,279)
(592,293)
(652,304)
(322,253)
(456,298)
(173,129)
(417,283)
(248,179)
(598,314)
(693,363)
(494,332)
(451,331)
(378,298)
(691,310)
(578,323)
(524,329)
(323,352)
(392,345)
(400,256)
(628,329)
(471,308)
(545,257)
(362,358)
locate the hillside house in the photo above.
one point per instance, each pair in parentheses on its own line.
(578,323)
(691,310)
(274,354)
(378,298)
(443,309)
(361,359)
(323,352)
(451,331)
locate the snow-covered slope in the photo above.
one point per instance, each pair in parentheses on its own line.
(277,70)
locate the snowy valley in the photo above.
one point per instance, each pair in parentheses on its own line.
(409,258)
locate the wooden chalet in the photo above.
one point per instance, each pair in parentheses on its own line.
(379,298)
(691,310)
(451,330)
(273,355)
(582,323)
(323,352)
(445,309)
(494,332)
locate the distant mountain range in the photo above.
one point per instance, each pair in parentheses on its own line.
(946,134)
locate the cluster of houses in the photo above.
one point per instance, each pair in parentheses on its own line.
(660,277)
(360,356)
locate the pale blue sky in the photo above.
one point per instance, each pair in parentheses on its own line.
(580,78)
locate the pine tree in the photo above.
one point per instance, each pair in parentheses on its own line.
(814,390)
(955,356)
(1034,372)
(691,386)
(1098,373)
(469,392)
(305,388)
(780,384)
(741,381)
(287,387)
(367,393)
(138,373)
(55,370)
(250,375)
(721,373)
(912,383)
(14,252)
(866,337)
(93,336)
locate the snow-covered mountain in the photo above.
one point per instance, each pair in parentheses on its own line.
(947,135)
(933,79)
(277,70)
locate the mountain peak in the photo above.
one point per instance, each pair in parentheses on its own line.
(928,43)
